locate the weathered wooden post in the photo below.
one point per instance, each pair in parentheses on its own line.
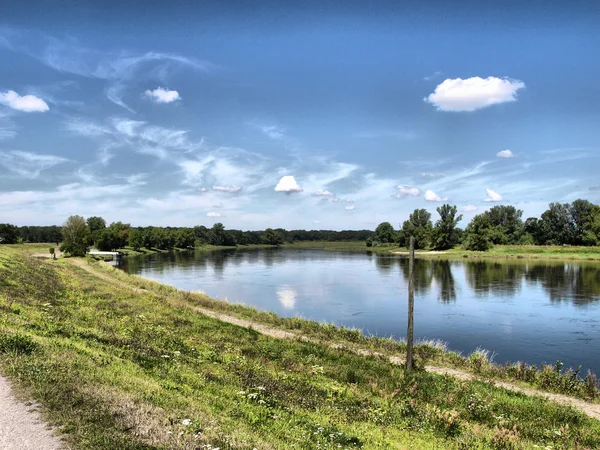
(411,304)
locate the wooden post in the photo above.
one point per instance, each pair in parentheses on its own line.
(411,305)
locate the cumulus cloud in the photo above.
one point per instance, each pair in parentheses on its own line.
(407,191)
(493,196)
(324,193)
(473,93)
(431,196)
(288,185)
(469,208)
(505,154)
(213,214)
(230,189)
(26,103)
(349,208)
(162,95)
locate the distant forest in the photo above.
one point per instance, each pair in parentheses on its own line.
(576,223)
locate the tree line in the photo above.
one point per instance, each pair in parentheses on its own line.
(576,223)
(78,234)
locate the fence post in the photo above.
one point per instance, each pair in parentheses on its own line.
(411,305)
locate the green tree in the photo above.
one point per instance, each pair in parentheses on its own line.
(75,234)
(385,232)
(95,223)
(272,237)
(580,210)
(9,234)
(136,239)
(105,239)
(591,228)
(443,235)
(557,224)
(120,232)
(506,224)
(418,225)
(216,235)
(478,234)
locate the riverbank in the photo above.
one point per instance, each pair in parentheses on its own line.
(123,362)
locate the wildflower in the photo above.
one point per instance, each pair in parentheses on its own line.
(186,422)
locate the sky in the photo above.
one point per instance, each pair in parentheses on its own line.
(301,115)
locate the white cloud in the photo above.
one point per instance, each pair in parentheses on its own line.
(287,296)
(431,174)
(26,103)
(349,208)
(288,184)
(230,189)
(324,193)
(473,93)
(431,196)
(162,95)
(470,208)
(27,164)
(493,196)
(505,154)
(213,214)
(406,191)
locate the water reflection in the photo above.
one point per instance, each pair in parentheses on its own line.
(287,296)
(530,310)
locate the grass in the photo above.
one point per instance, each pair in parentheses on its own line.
(139,370)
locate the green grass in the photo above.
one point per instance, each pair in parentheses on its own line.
(126,370)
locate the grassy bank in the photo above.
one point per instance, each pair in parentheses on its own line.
(133,369)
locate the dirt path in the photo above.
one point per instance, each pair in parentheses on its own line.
(591,409)
(21,427)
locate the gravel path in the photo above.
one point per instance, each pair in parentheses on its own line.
(21,426)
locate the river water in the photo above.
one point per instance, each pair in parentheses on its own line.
(522,310)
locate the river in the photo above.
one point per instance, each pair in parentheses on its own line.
(521,310)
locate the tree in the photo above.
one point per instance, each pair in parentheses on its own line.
(136,239)
(419,226)
(506,224)
(216,235)
(120,232)
(9,234)
(96,223)
(580,210)
(444,235)
(591,228)
(384,232)
(75,235)
(478,234)
(557,224)
(272,237)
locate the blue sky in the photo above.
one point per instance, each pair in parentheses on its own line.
(321,115)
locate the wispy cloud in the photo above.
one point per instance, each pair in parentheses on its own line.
(230,189)
(434,75)
(273,131)
(431,174)
(25,103)
(213,214)
(28,164)
(323,193)
(473,93)
(121,70)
